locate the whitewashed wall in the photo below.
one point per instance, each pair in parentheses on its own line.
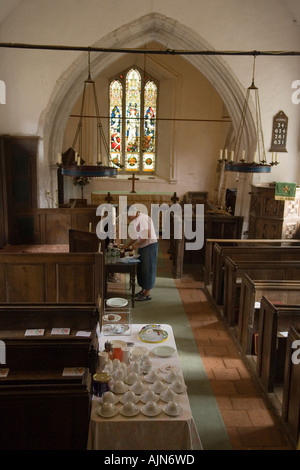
(43,86)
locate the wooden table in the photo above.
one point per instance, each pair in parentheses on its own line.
(140,432)
(122,267)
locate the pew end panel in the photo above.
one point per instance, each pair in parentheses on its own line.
(274,321)
(291,388)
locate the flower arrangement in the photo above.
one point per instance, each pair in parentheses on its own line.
(81,180)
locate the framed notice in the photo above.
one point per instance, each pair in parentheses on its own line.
(279,133)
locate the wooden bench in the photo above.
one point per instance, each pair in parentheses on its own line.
(264,270)
(210,243)
(245,253)
(50,351)
(252,291)
(51,277)
(44,416)
(274,322)
(291,387)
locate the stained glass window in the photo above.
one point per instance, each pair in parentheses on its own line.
(115,113)
(133,112)
(150,98)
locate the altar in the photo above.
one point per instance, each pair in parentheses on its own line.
(139,197)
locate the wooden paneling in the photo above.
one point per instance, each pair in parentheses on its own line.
(51,277)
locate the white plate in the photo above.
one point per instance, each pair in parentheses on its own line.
(134,413)
(154,413)
(117,302)
(139,351)
(177,413)
(111,317)
(114,413)
(163,351)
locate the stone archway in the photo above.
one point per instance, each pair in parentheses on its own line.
(153,27)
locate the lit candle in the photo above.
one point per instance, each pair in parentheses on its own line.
(59,158)
(232,155)
(113,215)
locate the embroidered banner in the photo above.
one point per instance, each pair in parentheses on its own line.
(285,191)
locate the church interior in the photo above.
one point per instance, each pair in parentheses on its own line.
(189,107)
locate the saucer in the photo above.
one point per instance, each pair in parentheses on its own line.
(113,413)
(117,302)
(133,413)
(151,414)
(175,413)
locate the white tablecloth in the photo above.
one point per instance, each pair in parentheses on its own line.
(141,432)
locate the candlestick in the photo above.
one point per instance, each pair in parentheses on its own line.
(221,155)
(232,155)
(90,226)
(254,157)
(225,157)
(59,159)
(243,155)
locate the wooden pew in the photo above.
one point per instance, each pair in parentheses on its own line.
(252,291)
(273,320)
(210,243)
(245,253)
(51,277)
(44,416)
(264,270)
(85,242)
(291,387)
(49,352)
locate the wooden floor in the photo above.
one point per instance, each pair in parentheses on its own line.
(250,419)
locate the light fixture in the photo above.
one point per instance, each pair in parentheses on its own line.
(72,162)
(236,159)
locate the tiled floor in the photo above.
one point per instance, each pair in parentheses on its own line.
(247,415)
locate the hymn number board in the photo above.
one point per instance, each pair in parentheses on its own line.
(279,133)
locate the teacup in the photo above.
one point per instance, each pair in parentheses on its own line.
(129,396)
(129,407)
(118,374)
(108,409)
(171,376)
(135,366)
(168,395)
(152,376)
(119,386)
(151,407)
(149,395)
(172,408)
(158,386)
(138,387)
(109,397)
(132,377)
(178,386)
